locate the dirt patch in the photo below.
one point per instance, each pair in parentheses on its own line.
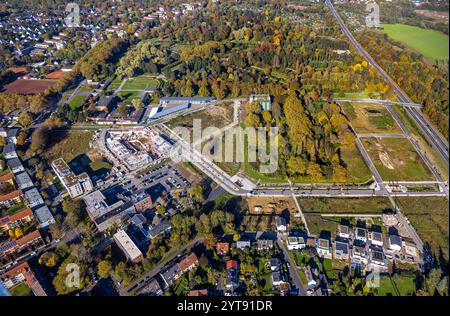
(271,205)
(386,160)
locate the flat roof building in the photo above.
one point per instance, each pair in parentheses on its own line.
(129,249)
(75,185)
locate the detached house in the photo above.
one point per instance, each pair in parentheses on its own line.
(341,250)
(323,248)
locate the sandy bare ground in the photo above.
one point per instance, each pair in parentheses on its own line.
(270,205)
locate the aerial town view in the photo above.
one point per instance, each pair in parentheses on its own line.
(224,148)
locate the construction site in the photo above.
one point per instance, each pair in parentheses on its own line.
(136,148)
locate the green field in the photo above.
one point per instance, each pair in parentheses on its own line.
(429,216)
(127,96)
(371,118)
(397,160)
(140,83)
(21,289)
(432,44)
(77,101)
(372,205)
(100,164)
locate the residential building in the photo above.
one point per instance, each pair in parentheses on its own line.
(344,231)
(188,263)
(222,248)
(75,185)
(152,289)
(162,228)
(9,199)
(12,135)
(281,224)
(359,254)
(33,198)
(16,220)
(377,259)
(274,264)
(323,248)
(15,165)
(376,239)
(232,275)
(138,220)
(395,243)
(144,204)
(20,244)
(202,292)
(129,249)
(22,273)
(295,243)
(44,216)
(241,244)
(104,215)
(171,275)
(9,151)
(24,181)
(264,244)
(361,234)
(341,250)
(276,278)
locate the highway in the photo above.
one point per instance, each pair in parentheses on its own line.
(435,138)
(374,101)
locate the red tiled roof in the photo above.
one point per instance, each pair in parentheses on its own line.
(19,215)
(18,70)
(29,237)
(187,262)
(10,196)
(203,292)
(30,277)
(222,247)
(232,264)
(6,177)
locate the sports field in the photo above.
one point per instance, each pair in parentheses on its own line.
(140,83)
(432,44)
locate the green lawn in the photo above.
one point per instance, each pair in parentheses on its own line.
(100,164)
(21,289)
(127,96)
(386,287)
(432,44)
(369,205)
(405,284)
(12,210)
(357,170)
(429,216)
(141,83)
(317,224)
(77,101)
